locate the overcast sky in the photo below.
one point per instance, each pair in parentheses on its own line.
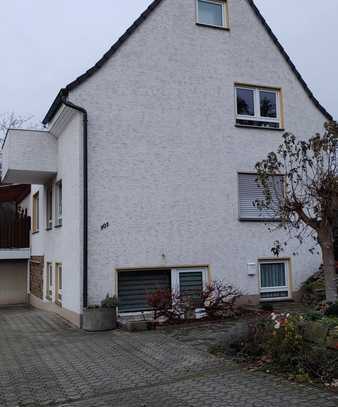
(45,44)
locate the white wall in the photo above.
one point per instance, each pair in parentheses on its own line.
(13,282)
(64,244)
(164,152)
(28,155)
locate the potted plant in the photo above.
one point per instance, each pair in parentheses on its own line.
(101,317)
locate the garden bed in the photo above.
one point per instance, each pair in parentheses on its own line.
(301,347)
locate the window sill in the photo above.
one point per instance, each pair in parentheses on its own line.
(246,126)
(259,220)
(277,299)
(217,27)
(58,226)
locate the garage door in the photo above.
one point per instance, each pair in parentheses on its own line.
(133,287)
(13,282)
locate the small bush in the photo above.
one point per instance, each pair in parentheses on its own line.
(332,310)
(166,304)
(254,345)
(218,299)
(331,322)
(313,316)
(278,340)
(267,306)
(109,302)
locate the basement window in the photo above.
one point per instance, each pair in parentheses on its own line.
(212,13)
(274,280)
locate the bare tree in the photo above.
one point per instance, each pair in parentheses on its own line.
(307,204)
(12,120)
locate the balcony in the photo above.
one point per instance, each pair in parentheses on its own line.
(14,223)
(15,237)
(29,157)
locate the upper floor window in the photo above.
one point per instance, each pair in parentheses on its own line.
(35,213)
(58,203)
(212,12)
(49,207)
(258,107)
(250,192)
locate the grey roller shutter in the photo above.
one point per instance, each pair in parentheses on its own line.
(191,285)
(133,287)
(249,192)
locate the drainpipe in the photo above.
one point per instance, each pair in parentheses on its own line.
(85,196)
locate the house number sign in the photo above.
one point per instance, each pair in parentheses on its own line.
(105,226)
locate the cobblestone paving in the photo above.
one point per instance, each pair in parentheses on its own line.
(204,335)
(44,361)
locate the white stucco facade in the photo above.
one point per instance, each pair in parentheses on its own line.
(164,154)
(164,151)
(64,244)
(23,161)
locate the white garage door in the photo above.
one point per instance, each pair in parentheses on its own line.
(13,282)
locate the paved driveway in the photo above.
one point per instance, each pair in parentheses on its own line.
(45,361)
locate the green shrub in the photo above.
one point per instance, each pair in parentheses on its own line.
(332,310)
(313,316)
(331,322)
(278,340)
(267,306)
(254,345)
(109,302)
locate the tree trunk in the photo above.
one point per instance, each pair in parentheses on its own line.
(329,265)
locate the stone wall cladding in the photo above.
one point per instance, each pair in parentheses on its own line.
(36,276)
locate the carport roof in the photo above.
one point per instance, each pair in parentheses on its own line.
(14,193)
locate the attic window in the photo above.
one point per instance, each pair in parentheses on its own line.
(258,107)
(212,13)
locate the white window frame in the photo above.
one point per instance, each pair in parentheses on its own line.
(58,205)
(36,212)
(58,289)
(49,207)
(257,106)
(275,289)
(225,18)
(175,277)
(49,281)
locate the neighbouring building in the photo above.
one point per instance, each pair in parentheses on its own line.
(144,177)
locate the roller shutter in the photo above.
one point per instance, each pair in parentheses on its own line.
(133,287)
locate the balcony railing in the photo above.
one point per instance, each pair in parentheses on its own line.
(15,231)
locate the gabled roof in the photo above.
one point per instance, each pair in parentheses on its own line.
(65,91)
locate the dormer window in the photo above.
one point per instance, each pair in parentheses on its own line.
(212,13)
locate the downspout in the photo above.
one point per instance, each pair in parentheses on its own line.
(85,197)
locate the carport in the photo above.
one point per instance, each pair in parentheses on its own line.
(13,282)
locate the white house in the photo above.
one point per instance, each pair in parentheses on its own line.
(144,177)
